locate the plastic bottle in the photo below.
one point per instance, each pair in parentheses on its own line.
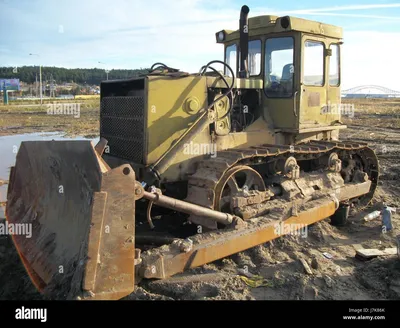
(372,216)
(387,218)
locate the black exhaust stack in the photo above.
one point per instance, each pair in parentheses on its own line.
(244,42)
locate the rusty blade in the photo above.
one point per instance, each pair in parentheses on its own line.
(68,198)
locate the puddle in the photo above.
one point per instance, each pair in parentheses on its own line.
(9,146)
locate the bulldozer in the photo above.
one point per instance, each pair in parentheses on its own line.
(191,168)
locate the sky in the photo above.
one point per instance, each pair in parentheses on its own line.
(181,33)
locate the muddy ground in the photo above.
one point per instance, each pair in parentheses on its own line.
(341,277)
(20,118)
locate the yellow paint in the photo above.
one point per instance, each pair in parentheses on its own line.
(169,104)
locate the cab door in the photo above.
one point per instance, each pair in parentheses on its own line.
(313,83)
(333,83)
(281,71)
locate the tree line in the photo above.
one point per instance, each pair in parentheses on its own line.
(28,74)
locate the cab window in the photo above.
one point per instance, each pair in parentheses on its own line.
(230,59)
(313,71)
(254,59)
(334,66)
(279,69)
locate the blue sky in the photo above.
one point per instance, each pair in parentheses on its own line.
(180,33)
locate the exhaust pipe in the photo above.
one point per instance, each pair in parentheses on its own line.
(244,42)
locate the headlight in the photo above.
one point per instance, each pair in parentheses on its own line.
(221,36)
(285,22)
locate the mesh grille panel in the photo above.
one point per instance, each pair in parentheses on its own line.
(122,124)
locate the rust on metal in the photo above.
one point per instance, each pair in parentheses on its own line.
(44,194)
(82,216)
(138,190)
(355,190)
(115,270)
(237,180)
(208,248)
(101,146)
(202,185)
(189,208)
(95,234)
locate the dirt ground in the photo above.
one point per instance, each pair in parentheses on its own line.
(19,118)
(341,277)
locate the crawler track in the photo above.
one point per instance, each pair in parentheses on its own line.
(202,185)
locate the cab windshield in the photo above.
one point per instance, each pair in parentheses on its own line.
(254,59)
(279,69)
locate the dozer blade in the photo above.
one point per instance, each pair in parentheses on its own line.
(82,219)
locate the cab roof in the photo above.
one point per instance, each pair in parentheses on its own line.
(266,24)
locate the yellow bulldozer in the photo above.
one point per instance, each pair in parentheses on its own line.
(192,168)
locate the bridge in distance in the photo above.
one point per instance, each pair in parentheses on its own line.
(370,91)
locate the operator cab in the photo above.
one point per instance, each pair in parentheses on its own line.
(296,64)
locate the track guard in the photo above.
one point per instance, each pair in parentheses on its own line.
(82,219)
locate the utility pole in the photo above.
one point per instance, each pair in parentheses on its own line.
(40,79)
(51,85)
(40,84)
(36,86)
(106,70)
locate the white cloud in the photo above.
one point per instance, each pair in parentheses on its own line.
(369,57)
(181,33)
(330,11)
(313,13)
(350,7)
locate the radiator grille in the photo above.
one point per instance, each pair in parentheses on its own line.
(122,122)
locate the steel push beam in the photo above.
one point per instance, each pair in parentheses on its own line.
(211,246)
